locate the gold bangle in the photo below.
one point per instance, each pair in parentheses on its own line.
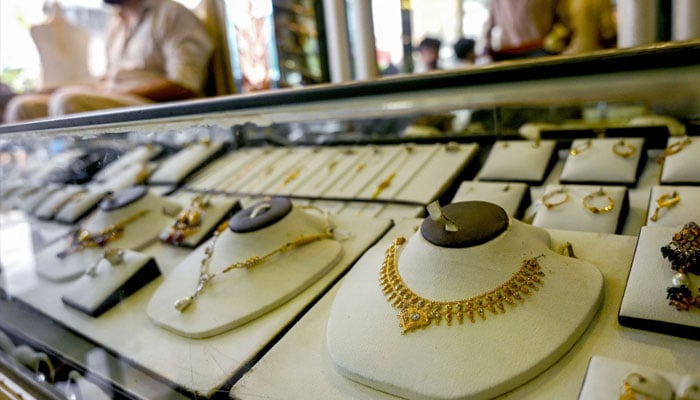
(624,149)
(545,199)
(598,210)
(576,150)
(665,200)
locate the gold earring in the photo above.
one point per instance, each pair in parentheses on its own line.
(624,149)
(598,210)
(561,191)
(664,201)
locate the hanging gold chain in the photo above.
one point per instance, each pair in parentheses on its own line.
(417,312)
(205,277)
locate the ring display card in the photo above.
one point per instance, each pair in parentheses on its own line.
(109,284)
(673,205)
(615,161)
(682,167)
(518,160)
(644,304)
(605,378)
(511,196)
(582,208)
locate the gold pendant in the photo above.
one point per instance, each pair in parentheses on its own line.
(411,318)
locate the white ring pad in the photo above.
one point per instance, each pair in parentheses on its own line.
(472,360)
(212,215)
(236,297)
(370,163)
(137,155)
(605,377)
(345,162)
(232,170)
(269,179)
(518,160)
(125,178)
(31,202)
(644,304)
(689,388)
(174,169)
(598,163)
(685,210)
(573,216)
(404,166)
(136,236)
(509,196)
(313,164)
(76,209)
(94,295)
(684,166)
(56,201)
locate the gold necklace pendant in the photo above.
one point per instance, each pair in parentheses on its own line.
(82,238)
(417,312)
(188,221)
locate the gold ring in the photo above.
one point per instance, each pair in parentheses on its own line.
(665,200)
(624,149)
(598,210)
(576,150)
(545,199)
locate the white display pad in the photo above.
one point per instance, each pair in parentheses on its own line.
(508,195)
(298,365)
(319,162)
(687,209)
(467,360)
(136,155)
(225,172)
(136,235)
(438,174)
(644,303)
(684,166)
(241,295)
(598,163)
(270,178)
(218,207)
(58,200)
(518,160)
(398,172)
(128,176)
(342,166)
(77,208)
(605,377)
(200,366)
(177,167)
(368,165)
(89,293)
(572,215)
(32,202)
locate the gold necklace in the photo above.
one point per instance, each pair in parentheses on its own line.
(205,277)
(674,149)
(383,185)
(82,238)
(188,221)
(416,312)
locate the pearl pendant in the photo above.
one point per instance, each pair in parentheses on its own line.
(183,303)
(680,279)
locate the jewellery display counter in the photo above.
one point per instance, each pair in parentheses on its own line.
(521,230)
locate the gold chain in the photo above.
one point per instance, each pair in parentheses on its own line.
(83,239)
(416,312)
(205,277)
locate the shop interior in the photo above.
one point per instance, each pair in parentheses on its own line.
(339,217)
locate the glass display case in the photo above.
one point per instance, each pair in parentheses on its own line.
(220,248)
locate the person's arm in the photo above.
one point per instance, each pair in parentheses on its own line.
(162,90)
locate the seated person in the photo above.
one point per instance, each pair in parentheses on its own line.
(157,50)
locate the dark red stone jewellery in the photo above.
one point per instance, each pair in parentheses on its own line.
(684,254)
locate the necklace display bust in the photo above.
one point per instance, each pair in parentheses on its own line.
(463,360)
